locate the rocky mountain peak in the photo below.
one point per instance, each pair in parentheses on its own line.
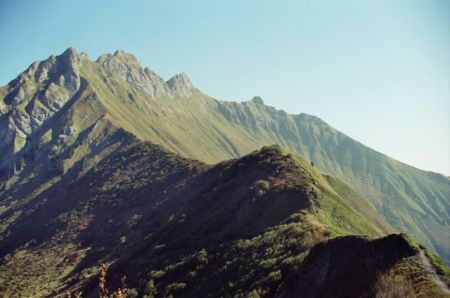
(126,66)
(257,100)
(62,70)
(69,56)
(32,100)
(181,85)
(127,59)
(120,61)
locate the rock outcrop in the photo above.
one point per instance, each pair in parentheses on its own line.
(180,85)
(128,68)
(33,102)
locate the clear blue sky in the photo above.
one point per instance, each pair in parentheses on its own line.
(376,70)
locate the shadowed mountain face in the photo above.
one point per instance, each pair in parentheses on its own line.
(179,227)
(78,184)
(370,268)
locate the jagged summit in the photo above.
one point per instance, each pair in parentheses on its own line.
(32,99)
(37,99)
(121,58)
(126,56)
(181,84)
(128,67)
(258,100)
(71,55)
(64,70)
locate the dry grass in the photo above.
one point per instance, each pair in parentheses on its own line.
(121,292)
(391,285)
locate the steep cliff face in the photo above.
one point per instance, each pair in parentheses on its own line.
(51,112)
(127,67)
(61,71)
(32,101)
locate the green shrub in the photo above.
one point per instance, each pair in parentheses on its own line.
(132,293)
(150,288)
(175,287)
(273,277)
(262,185)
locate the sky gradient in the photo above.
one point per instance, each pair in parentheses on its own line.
(376,70)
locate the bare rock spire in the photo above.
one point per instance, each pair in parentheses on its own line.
(181,85)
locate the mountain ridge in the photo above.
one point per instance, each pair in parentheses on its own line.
(156,217)
(137,100)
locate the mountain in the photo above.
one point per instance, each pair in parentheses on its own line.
(100,164)
(174,226)
(49,110)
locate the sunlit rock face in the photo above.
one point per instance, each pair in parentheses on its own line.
(128,67)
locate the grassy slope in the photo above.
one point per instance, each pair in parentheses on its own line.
(238,237)
(192,131)
(357,202)
(203,128)
(241,237)
(170,211)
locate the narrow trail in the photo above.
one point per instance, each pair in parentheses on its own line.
(427,265)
